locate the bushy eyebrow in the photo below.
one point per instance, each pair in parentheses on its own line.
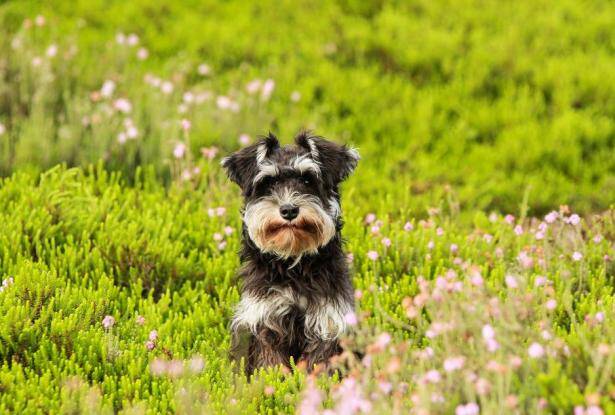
(305,163)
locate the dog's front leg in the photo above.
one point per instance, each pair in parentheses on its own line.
(319,352)
(267,349)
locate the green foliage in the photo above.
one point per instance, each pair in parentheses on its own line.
(481,102)
(81,245)
(458,109)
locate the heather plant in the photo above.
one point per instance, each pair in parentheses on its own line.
(479,225)
(117,298)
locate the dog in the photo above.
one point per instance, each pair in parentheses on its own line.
(296,287)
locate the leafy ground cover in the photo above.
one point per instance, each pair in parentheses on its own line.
(119,298)
(479,223)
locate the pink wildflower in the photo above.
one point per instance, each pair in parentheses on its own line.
(108,322)
(536,351)
(373,255)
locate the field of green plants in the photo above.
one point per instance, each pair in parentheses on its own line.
(479,224)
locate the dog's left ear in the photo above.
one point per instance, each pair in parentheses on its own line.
(338,161)
(242,166)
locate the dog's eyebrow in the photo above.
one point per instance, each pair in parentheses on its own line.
(266,169)
(304,163)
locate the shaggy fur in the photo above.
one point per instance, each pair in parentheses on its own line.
(296,285)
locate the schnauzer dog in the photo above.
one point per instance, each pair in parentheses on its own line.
(296,284)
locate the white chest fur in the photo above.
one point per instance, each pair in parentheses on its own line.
(323,319)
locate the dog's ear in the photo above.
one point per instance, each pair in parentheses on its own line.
(242,166)
(338,161)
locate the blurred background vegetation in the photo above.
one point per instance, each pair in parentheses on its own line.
(482,104)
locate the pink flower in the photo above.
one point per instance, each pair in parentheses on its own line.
(175,368)
(593,410)
(511,282)
(433,376)
(453,363)
(539,235)
(349,257)
(166,87)
(158,367)
(244,139)
(108,322)
(196,364)
(518,230)
(253,86)
(267,89)
(430,245)
(228,230)
(312,398)
(107,89)
(577,256)
(122,105)
(39,20)
(536,351)
(153,335)
(186,125)
(510,219)
(525,260)
(142,54)
(597,239)
(373,255)
(204,69)
(150,345)
(408,226)
(488,238)
(439,231)
(351,319)
(295,96)
(386,242)
(539,281)
(454,248)
(132,39)
(551,304)
(467,409)
(140,320)
(599,316)
(370,218)
(220,211)
(492,345)
(382,341)
(483,387)
(209,152)
(551,217)
(180,150)
(574,219)
(488,332)
(269,390)
(385,387)
(358,294)
(222,246)
(477,280)
(218,237)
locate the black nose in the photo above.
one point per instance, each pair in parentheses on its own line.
(289,212)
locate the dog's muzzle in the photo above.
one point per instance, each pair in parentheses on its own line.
(288,224)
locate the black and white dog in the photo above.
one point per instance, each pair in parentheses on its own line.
(296,284)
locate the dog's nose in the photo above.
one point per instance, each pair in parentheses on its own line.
(289,212)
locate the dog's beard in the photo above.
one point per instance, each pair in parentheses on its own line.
(310,230)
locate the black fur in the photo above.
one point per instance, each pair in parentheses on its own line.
(319,277)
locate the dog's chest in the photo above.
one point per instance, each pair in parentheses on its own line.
(322,318)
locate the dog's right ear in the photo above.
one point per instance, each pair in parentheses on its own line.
(243,165)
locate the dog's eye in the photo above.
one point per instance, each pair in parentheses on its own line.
(307,180)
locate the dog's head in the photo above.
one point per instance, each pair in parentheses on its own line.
(291,193)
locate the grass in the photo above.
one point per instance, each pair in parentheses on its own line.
(119,230)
